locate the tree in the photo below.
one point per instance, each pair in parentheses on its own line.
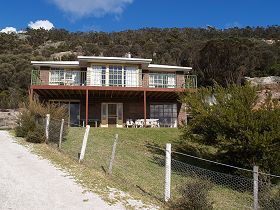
(226,61)
(228,119)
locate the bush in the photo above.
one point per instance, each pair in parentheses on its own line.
(26,123)
(37,135)
(31,122)
(244,131)
(194,196)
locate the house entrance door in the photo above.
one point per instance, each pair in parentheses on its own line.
(112,115)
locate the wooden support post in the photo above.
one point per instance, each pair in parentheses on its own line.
(86,107)
(145,109)
(47,127)
(113,154)
(167,187)
(31,95)
(61,133)
(84,145)
(256,187)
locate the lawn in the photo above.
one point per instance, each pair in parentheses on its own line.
(139,164)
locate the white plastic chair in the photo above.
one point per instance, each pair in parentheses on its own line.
(139,123)
(129,123)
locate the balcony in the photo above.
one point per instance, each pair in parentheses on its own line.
(110,78)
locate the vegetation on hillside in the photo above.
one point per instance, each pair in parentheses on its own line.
(227,118)
(217,56)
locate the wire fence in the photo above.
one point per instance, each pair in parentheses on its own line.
(141,168)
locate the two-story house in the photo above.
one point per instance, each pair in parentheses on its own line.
(108,91)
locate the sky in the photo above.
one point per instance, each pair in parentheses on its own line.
(119,15)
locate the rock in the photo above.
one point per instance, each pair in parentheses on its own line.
(8,118)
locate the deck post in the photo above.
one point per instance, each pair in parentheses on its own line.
(87,107)
(145,108)
(31,95)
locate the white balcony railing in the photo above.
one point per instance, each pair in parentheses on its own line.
(115,78)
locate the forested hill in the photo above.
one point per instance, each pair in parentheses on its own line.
(222,56)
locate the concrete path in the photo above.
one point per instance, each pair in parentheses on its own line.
(30,183)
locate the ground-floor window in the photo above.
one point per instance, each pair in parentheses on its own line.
(166,113)
(73,109)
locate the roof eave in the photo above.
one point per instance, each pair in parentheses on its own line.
(55,64)
(114,59)
(155,67)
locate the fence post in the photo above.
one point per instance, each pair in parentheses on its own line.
(82,154)
(47,127)
(167,172)
(113,154)
(256,186)
(61,133)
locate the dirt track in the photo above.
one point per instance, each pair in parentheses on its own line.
(30,183)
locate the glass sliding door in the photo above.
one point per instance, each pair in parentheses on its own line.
(73,110)
(166,113)
(74,113)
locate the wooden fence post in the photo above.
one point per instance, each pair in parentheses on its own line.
(47,127)
(256,187)
(113,154)
(61,133)
(167,173)
(83,150)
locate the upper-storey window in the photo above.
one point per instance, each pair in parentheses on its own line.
(97,75)
(132,76)
(160,80)
(60,76)
(56,76)
(114,75)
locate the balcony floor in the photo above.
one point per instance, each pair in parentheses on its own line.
(73,92)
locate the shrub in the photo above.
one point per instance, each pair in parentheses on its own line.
(26,123)
(194,196)
(231,119)
(31,122)
(37,135)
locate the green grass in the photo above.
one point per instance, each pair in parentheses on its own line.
(138,169)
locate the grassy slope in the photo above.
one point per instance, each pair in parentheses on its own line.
(137,169)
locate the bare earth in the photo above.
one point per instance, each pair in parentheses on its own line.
(30,183)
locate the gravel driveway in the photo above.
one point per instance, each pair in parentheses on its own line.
(30,183)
